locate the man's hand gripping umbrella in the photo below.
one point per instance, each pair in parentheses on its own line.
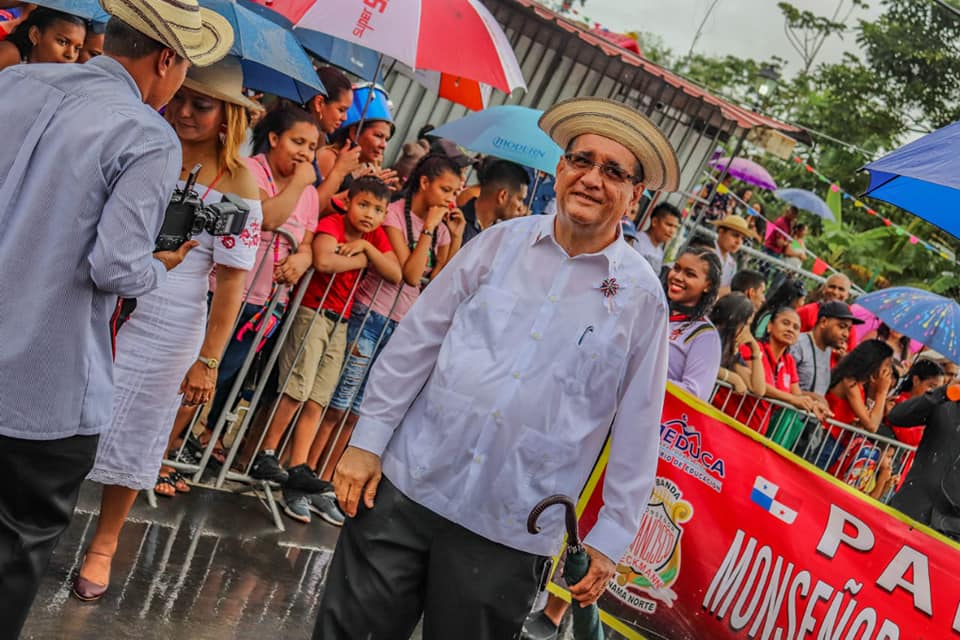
(585,570)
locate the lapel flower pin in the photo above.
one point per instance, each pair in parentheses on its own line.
(609,288)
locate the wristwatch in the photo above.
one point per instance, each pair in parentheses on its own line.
(212,363)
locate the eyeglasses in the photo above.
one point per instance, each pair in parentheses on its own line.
(610,171)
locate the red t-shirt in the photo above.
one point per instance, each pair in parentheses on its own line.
(751,411)
(777,241)
(333,225)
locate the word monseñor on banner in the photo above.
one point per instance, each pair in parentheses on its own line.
(754,584)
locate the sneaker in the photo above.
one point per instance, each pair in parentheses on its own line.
(325,505)
(538,626)
(302,478)
(267,467)
(297,506)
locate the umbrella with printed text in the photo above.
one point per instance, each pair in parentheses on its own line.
(926,317)
(457,37)
(363,62)
(509,132)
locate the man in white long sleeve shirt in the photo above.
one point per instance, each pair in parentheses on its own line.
(540,339)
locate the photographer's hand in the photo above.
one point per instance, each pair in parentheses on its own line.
(171,259)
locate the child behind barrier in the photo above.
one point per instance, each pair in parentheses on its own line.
(286,141)
(425,232)
(314,351)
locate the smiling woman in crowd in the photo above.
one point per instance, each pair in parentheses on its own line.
(691,285)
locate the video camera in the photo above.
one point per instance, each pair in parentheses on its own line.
(187,216)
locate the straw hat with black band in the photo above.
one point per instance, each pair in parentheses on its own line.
(738,224)
(223,81)
(199,35)
(566,120)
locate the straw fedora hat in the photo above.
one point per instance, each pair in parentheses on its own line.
(736,223)
(200,35)
(222,80)
(566,120)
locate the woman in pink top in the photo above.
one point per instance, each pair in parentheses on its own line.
(425,230)
(286,140)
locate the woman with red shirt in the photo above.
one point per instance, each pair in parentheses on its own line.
(866,367)
(780,375)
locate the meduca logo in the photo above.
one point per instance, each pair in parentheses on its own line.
(517,147)
(682,446)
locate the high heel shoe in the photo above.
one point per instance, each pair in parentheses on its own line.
(86,590)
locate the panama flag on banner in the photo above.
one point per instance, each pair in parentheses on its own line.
(772,499)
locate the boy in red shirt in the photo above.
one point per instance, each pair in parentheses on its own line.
(344,245)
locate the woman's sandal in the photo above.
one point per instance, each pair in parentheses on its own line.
(84,589)
(165,481)
(179,481)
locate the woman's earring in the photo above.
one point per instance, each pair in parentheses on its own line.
(223,133)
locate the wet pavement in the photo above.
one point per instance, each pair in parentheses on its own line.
(205,566)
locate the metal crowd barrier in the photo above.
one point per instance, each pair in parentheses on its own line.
(240,423)
(851,454)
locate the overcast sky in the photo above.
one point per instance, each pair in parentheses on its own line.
(746,28)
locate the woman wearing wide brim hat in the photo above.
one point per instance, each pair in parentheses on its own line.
(171,334)
(198,35)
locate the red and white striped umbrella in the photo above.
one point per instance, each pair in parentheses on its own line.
(455,37)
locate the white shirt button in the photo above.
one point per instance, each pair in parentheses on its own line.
(478,459)
(536,335)
(516,375)
(552,298)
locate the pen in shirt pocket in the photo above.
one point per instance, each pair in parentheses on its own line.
(585,333)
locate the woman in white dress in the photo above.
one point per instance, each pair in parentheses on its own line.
(169,334)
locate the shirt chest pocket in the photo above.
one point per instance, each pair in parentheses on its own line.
(593,373)
(482,321)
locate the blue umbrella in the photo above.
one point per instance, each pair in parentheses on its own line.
(806,200)
(86,9)
(272,58)
(356,59)
(922,177)
(508,132)
(931,320)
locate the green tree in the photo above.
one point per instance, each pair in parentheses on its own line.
(912,48)
(807,32)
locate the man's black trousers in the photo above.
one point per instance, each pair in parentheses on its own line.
(400,560)
(39,485)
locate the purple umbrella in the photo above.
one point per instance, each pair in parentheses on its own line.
(745,171)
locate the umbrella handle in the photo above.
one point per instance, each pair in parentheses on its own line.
(573,532)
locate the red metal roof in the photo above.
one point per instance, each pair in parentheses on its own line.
(743,117)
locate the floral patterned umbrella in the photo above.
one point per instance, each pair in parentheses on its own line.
(926,317)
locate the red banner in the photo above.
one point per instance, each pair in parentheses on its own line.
(742,539)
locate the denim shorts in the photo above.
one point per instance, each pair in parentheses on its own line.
(364,344)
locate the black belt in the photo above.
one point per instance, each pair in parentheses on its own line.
(333,315)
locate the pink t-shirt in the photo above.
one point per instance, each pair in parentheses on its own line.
(303,218)
(383,302)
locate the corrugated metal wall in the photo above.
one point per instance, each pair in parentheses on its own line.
(557,65)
